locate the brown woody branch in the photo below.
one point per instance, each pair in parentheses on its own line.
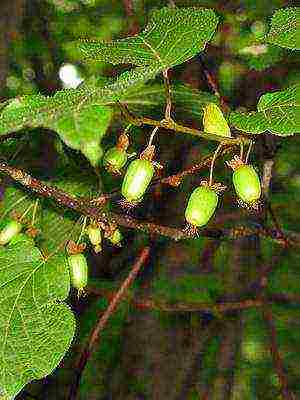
(216,308)
(276,357)
(111,218)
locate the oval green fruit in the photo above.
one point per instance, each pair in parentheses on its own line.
(115,159)
(214,121)
(95,236)
(116,238)
(201,206)
(137,178)
(247,184)
(78,271)
(10,230)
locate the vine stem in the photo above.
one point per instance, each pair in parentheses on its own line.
(149,303)
(153,133)
(248,152)
(168,94)
(95,335)
(213,163)
(276,357)
(173,126)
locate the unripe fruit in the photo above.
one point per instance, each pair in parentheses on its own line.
(201,206)
(114,159)
(78,271)
(137,178)
(214,121)
(95,236)
(116,238)
(246,183)
(11,229)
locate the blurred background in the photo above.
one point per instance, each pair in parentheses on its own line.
(158,346)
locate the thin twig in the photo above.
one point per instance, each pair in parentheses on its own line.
(277,225)
(168,94)
(175,179)
(102,322)
(276,357)
(212,82)
(173,126)
(146,303)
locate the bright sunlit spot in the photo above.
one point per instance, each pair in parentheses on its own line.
(70,76)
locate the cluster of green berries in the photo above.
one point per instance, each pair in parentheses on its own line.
(78,266)
(204,199)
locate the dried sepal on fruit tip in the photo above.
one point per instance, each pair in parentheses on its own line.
(201,205)
(78,268)
(217,187)
(235,163)
(9,231)
(123,142)
(214,121)
(74,248)
(148,153)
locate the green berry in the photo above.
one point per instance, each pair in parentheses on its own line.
(247,184)
(115,159)
(95,236)
(116,238)
(11,229)
(214,121)
(201,206)
(78,271)
(137,178)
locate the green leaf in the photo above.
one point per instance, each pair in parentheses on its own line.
(56,225)
(277,113)
(84,130)
(172,36)
(36,327)
(284,30)
(81,129)
(187,102)
(78,115)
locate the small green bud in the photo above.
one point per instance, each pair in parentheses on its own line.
(201,206)
(95,236)
(116,238)
(137,178)
(247,184)
(214,121)
(11,229)
(78,271)
(114,159)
